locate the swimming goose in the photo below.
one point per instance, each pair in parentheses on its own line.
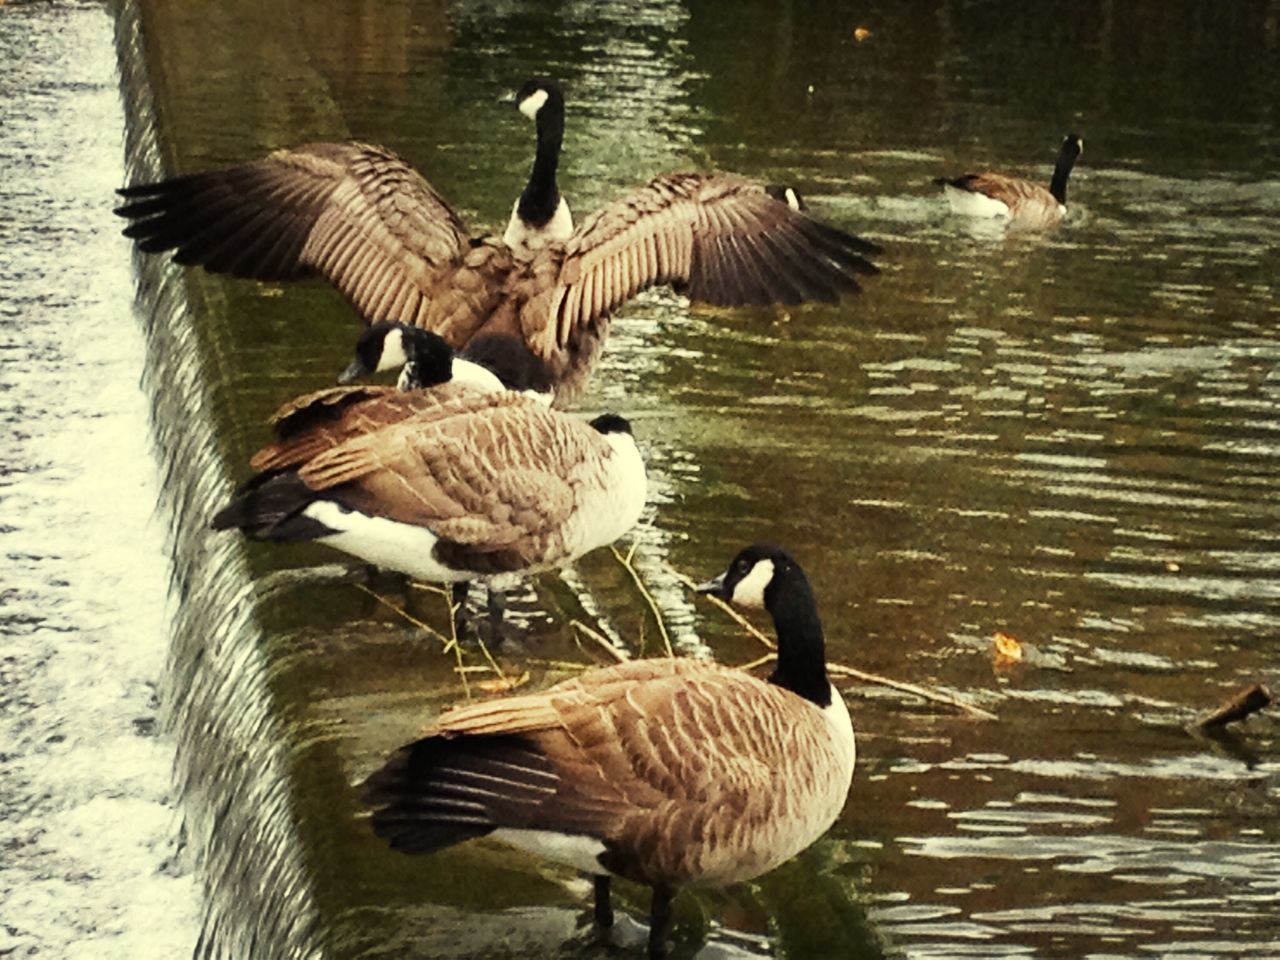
(669,772)
(1023,203)
(362,218)
(447,485)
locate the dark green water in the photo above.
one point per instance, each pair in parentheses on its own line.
(1070,438)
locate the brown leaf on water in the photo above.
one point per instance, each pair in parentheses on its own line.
(1007,647)
(503,684)
(861,33)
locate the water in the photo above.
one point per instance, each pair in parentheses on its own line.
(1069,438)
(92,862)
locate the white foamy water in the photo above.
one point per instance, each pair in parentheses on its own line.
(90,859)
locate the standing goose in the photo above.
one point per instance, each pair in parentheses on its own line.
(362,218)
(1024,204)
(670,772)
(446,485)
(540,215)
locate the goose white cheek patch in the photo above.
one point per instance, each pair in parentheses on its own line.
(531,104)
(393,354)
(749,591)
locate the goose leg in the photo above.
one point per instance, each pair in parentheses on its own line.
(458,604)
(603,912)
(659,922)
(497,611)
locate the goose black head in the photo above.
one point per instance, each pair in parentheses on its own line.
(754,577)
(1072,145)
(427,359)
(608,423)
(788,195)
(538,94)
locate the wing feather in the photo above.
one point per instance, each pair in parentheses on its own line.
(302,210)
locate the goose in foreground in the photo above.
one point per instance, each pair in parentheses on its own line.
(366,221)
(668,772)
(1024,204)
(447,485)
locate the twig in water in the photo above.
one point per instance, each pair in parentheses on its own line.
(839,669)
(759,661)
(619,655)
(738,618)
(406,615)
(653,604)
(1243,702)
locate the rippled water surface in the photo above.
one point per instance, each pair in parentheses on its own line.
(1070,438)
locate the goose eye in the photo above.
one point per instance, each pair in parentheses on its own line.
(743,566)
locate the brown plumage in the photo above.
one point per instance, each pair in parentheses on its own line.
(464,483)
(1024,204)
(361,217)
(667,772)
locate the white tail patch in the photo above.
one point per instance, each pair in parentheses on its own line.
(575,849)
(476,375)
(968,203)
(385,543)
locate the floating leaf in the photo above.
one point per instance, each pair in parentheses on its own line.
(861,33)
(1007,646)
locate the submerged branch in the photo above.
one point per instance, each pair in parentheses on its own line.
(1239,705)
(840,669)
(644,592)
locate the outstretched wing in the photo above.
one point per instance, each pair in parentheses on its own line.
(719,239)
(354,213)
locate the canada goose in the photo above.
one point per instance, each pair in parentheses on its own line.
(787,195)
(670,772)
(425,359)
(540,215)
(446,485)
(365,220)
(1025,204)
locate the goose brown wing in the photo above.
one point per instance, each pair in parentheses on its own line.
(1013,192)
(320,421)
(485,470)
(643,755)
(355,213)
(720,239)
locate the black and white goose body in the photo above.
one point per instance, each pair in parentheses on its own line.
(446,485)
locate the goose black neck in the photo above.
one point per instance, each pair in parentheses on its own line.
(1058,185)
(802,666)
(541,195)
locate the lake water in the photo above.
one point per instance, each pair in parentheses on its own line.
(1071,438)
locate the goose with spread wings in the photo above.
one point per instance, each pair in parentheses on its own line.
(365,220)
